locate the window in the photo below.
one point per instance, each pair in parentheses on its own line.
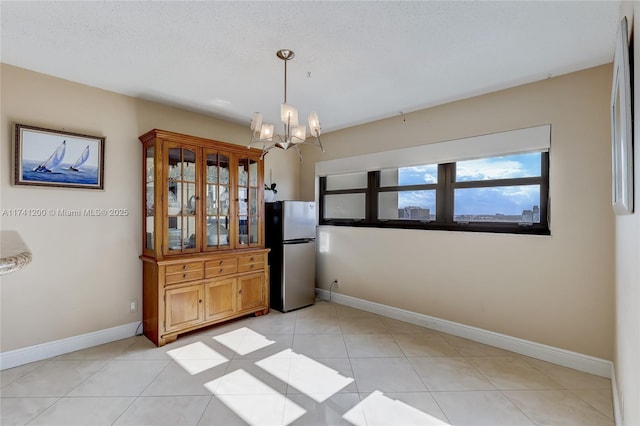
(347,197)
(408,193)
(507,193)
(499,189)
(497,182)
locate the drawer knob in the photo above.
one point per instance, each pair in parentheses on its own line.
(252,265)
(221,271)
(184,275)
(252,258)
(184,267)
(222,262)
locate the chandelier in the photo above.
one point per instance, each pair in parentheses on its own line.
(294,134)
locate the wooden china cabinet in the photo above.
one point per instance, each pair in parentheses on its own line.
(204,259)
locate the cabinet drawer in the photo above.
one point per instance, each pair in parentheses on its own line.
(251,262)
(218,267)
(184,272)
(184,267)
(184,276)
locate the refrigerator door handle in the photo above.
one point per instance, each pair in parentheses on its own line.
(299,241)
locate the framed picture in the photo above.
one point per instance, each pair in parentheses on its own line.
(46,157)
(621,126)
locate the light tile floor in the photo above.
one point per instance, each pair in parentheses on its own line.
(325,364)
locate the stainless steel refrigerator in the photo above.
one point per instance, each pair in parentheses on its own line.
(290,233)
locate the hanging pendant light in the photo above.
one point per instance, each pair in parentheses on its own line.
(294,134)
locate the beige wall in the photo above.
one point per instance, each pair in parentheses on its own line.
(627,272)
(555,290)
(85,269)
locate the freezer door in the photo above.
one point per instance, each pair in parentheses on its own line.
(298,220)
(299,275)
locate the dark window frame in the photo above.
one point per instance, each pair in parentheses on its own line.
(445,190)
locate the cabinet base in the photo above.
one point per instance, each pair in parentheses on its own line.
(170,338)
(167,339)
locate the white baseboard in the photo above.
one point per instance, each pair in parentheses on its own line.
(577,361)
(42,351)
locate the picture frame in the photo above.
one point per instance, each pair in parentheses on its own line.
(47,157)
(621,126)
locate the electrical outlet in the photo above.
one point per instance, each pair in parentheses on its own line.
(133,305)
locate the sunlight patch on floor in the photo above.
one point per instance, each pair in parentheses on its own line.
(196,357)
(243,341)
(310,377)
(257,403)
(254,401)
(382,410)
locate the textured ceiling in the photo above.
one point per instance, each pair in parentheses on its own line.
(355,61)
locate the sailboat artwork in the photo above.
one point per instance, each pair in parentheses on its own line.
(80,161)
(55,158)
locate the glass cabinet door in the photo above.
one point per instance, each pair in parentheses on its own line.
(182,199)
(149,200)
(248,202)
(217,200)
